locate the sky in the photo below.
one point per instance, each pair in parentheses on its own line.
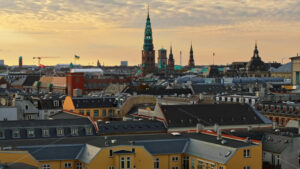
(113,30)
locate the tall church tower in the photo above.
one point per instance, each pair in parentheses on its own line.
(148,54)
(171,60)
(191,61)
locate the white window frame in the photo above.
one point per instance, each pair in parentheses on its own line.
(122,161)
(58,133)
(247,153)
(68,165)
(44,132)
(128,159)
(18,132)
(74,131)
(78,165)
(175,159)
(46,166)
(30,133)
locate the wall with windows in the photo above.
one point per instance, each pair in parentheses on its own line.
(19,156)
(107,158)
(100,113)
(247,157)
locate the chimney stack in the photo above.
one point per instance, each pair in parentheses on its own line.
(219,133)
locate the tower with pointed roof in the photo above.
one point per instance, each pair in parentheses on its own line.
(148,53)
(162,59)
(171,60)
(256,67)
(191,60)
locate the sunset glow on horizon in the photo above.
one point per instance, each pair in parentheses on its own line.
(112,30)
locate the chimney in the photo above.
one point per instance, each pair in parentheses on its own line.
(299,127)
(274,125)
(219,133)
(199,127)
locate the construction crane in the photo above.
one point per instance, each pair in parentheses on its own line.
(41,57)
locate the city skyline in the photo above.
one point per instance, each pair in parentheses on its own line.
(113,31)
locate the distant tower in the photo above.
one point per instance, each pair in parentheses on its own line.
(180,58)
(171,60)
(148,54)
(98,63)
(191,61)
(162,59)
(20,62)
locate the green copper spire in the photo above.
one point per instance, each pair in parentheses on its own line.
(148,42)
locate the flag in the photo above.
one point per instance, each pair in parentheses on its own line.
(42,66)
(76,57)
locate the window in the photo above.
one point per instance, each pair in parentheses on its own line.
(122,163)
(81,112)
(174,167)
(128,163)
(45,132)
(88,112)
(174,159)
(111,167)
(74,131)
(68,165)
(60,132)
(56,103)
(110,113)
(247,167)
(88,131)
(46,166)
(104,113)
(212,166)
(185,162)
(2,134)
(192,163)
(221,167)
(96,113)
(30,132)
(156,163)
(299,158)
(200,164)
(78,165)
(246,153)
(110,153)
(16,133)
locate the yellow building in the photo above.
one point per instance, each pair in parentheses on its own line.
(157,151)
(296,70)
(104,108)
(10,158)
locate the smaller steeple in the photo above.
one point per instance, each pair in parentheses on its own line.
(255,53)
(191,61)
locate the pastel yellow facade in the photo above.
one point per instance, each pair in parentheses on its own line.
(18,157)
(96,113)
(137,157)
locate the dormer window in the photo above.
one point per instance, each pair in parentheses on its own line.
(74,131)
(56,103)
(2,134)
(88,131)
(16,133)
(60,132)
(30,133)
(45,132)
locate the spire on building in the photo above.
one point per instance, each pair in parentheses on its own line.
(98,63)
(171,60)
(148,42)
(255,53)
(191,60)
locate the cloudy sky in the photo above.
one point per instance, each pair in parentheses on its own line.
(112,30)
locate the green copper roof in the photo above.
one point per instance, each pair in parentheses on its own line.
(148,41)
(177,67)
(162,49)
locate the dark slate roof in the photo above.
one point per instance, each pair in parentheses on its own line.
(17,166)
(30,80)
(210,114)
(123,152)
(208,88)
(168,146)
(126,127)
(54,152)
(157,91)
(99,141)
(44,123)
(65,115)
(92,102)
(51,125)
(48,104)
(275,143)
